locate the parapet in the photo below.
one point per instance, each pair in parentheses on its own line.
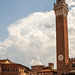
(71,59)
(51,64)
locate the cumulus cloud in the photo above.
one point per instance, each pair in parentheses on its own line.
(37,61)
(32,39)
(71,3)
(71,25)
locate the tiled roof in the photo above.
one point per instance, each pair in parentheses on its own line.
(38,65)
(4,60)
(48,70)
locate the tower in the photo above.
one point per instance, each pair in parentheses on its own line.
(61,12)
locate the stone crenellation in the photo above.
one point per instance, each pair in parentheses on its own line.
(71,60)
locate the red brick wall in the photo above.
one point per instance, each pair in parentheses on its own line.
(45,73)
(36,68)
(62,40)
(71,62)
(5,73)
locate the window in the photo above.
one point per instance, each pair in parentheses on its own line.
(73,65)
(33,68)
(59,17)
(10,69)
(16,69)
(3,70)
(40,68)
(13,70)
(36,67)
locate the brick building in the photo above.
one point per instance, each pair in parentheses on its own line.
(9,68)
(47,72)
(43,70)
(35,69)
(65,65)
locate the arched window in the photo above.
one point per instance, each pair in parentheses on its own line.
(13,70)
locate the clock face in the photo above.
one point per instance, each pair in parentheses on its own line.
(60,57)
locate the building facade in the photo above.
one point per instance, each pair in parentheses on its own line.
(47,72)
(64,64)
(43,70)
(35,69)
(9,68)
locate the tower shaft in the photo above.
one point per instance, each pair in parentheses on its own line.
(61,12)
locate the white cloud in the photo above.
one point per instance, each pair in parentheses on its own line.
(32,39)
(36,62)
(71,25)
(70,2)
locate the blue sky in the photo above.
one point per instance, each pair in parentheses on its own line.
(12,10)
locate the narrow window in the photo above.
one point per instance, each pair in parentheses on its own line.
(73,65)
(13,70)
(59,17)
(10,69)
(16,69)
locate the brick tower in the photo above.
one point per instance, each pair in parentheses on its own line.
(61,12)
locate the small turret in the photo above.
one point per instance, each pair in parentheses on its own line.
(51,65)
(71,59)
